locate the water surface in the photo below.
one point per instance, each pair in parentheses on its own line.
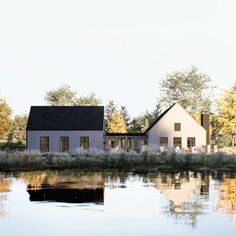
(74,203)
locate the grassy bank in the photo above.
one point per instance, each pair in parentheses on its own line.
(131,161)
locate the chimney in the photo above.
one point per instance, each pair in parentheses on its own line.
(205,122)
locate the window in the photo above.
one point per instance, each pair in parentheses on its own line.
(141,142)
(191,142)
(177,142)
(177,127)
(64,144)
(121,142)
(84,142)
(112,142)
(130,143)
(164,141)
(44,144)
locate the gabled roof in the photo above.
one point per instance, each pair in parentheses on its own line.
(66,118)
(158,118)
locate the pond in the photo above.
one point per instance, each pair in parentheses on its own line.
(75,203)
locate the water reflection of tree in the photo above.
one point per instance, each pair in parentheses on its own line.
(186,191)
(65,186)
(227,201)
(63,179)
(120,179)
(4,189)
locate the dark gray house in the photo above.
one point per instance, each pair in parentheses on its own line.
(65,128)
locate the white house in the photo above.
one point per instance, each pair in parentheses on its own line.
(176,127)
(65,128)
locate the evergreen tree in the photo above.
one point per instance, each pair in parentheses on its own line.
(157,111)
(124,113)
(136,125)
(146,124)
(152,116)
(109,109)
(115,123)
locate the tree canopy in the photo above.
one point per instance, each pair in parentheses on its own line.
(5,118)
(190,88)
(17,132)
(65,96)
(116,123)
(89,100)
(226,108)
(62,96)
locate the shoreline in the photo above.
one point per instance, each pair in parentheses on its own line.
(135,163)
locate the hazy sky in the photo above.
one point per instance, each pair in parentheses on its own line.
(118,49)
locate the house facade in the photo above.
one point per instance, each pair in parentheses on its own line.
(65,128)
(176,127)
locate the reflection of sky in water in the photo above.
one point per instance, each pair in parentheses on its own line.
(163,204)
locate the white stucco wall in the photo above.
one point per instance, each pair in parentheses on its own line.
(165,128)
(96,139)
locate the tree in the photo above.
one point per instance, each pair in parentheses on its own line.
(136,125)
(140,123)
(124,113)
(17,132)
(152,116)
(109,109)
(116,123)
(65,96)
(191,89)
(156,112)
(5,118)
(146,124)
(226,108)
(90,100)
(62,96)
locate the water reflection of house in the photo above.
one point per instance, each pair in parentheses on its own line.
(184,190)
(227,202)
(178,187)
(68,188)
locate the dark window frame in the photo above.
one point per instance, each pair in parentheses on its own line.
(130,143)
(112,142)
(121,142)
(64,147)
(175,144)
(177,126)
(84,142)
(161,142)
(189,143)
(42,149)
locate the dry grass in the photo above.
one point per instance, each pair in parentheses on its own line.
(98,159)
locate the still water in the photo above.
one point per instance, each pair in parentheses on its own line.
(75,203)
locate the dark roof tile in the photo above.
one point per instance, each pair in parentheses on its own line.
(66,118)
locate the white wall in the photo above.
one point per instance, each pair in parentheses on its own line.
(165,128)
(96,139)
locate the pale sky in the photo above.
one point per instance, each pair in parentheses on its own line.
(118,49)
